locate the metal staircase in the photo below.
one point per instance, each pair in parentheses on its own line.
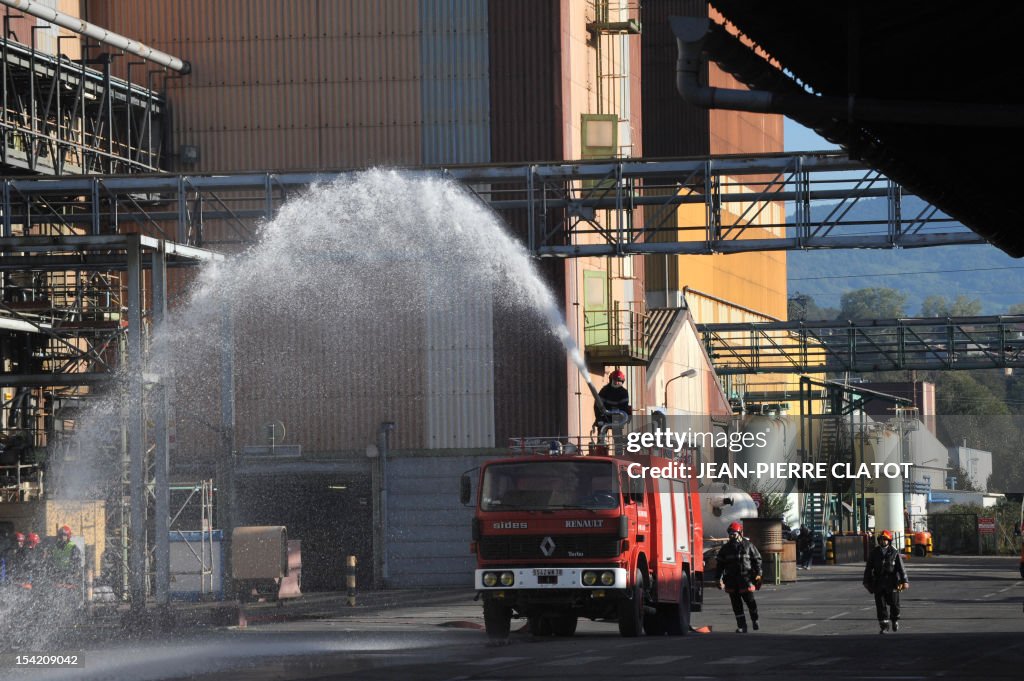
(815,517)
(834,445)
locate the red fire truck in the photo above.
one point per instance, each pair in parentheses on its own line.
(579,533)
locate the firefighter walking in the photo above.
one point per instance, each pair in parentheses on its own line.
(739,573)
(885,577)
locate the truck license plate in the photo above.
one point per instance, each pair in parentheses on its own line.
(547,572)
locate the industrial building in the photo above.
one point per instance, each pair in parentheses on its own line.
(316,87)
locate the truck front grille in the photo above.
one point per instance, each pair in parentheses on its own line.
(525,547)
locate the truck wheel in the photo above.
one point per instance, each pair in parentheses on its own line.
(631,610)
(679,614)
(564,626)
(920,550)
(497,619)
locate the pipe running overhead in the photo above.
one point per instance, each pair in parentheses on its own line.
(691,34)
(81,27)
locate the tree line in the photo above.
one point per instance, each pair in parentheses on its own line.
(885,303)
(985,407)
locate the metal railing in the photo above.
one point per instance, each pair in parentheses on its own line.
(866,345)
(62,117)
(621,326)
(558,203)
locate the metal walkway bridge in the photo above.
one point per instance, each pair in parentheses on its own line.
(565,209)
(870,345)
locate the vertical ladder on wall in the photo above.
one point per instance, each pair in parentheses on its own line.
(614,22)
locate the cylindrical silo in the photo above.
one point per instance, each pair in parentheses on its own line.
(722,504)
(780,436)
(882,447)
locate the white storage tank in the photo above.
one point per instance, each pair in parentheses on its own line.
(780,435)
(722,504)
(882,446)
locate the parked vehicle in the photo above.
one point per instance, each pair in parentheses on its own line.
(585,534)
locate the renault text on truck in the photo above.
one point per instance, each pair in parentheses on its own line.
(609,538)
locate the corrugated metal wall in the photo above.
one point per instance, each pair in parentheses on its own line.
(525,74)
(526,125)
(323,84)
(460,376)
(20,24)
(671,126)
(317,84)
(430,530)
(455,106)
(332,380)
(455,93)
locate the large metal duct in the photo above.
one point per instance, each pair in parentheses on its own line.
(101,34)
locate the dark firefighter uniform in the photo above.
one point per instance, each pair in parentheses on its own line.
(885,577)
(614,397)
(739,573)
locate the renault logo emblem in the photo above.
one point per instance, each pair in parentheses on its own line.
(547,547)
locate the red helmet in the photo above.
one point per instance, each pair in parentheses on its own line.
(32,540)
(736,527)
(64,530)
(886,534)
(19,537)
(617,376)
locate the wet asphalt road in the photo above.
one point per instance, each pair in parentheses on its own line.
(962,619)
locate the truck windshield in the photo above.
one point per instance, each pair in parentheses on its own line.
(550,485)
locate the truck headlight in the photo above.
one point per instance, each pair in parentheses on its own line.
(490,579)
(507,579)
(589,578)
(607,578)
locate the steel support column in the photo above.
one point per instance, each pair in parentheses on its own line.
(159,400)
(136,416)
(225,497)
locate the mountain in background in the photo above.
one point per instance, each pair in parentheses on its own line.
(988,404)
(993,277)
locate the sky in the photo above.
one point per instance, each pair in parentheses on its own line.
(998,282)
(799,138)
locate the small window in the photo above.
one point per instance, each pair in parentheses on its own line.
(600,135)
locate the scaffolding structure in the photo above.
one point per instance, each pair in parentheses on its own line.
(558,200)
(76,304)
(139,442)
(807,347)
(62,325)
(64,117)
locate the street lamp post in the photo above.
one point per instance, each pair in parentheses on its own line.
(686,374)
